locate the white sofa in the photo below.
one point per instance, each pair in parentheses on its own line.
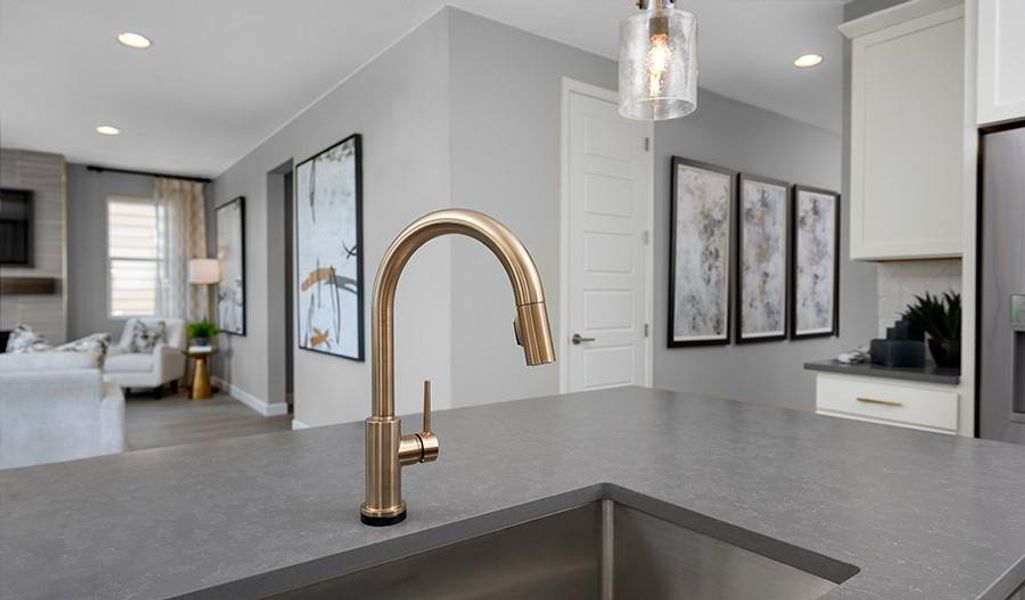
(55,406)
(165,364)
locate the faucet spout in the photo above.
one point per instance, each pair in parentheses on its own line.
(387,450)
(531,325)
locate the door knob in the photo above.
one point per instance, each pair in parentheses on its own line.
(577,339)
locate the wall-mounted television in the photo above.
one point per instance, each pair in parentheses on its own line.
(16,227)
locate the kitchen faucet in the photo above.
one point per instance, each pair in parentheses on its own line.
(387,450)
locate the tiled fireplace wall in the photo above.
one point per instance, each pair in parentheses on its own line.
(901,281)
(44,174)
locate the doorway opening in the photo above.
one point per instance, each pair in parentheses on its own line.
(289,289)
(281,286)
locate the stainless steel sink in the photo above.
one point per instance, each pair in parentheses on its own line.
(600,551)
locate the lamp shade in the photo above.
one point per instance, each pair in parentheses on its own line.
(658,68)
(204,271)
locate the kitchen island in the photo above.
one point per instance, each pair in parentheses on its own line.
(916,514)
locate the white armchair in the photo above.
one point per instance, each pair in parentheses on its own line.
(165,364)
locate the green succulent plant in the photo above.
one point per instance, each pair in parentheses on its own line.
(939,316)
(202,329)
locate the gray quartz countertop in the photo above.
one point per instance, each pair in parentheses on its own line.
(922,515)
(927,374)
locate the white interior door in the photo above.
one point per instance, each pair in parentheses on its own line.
(606,261)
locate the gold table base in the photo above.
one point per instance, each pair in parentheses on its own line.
(200,388)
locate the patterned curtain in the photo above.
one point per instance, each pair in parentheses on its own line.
(182,211)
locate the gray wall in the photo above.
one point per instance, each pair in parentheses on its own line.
(466,112)
(749,139)
(508,166)
(399,103)
(87,245)
(506,113)
(44,174)
(431,99)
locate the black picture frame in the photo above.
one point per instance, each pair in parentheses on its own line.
(796,191)
(360,356)
(731,176)
(241,202)
(738,314)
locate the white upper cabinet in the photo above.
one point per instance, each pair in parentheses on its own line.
(1001,67)
(907,131)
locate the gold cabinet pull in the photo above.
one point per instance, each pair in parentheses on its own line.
(878,401)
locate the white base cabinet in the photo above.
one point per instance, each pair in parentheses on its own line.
(924,406)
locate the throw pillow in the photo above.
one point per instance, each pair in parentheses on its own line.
(145,337)
(96,345)
(24,339)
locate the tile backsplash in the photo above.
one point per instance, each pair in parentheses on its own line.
(900,281)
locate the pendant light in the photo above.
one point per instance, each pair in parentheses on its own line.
(658,68)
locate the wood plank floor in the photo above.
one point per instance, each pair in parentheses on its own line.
(175,420)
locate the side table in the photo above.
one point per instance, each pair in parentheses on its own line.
(200,388)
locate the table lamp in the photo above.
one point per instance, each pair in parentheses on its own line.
(204,271)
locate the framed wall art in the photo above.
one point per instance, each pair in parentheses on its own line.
(231,253)
(700,253)
(815,294)
(329,251)
(763,265)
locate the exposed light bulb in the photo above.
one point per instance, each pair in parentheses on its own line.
(659,58)
(107,130)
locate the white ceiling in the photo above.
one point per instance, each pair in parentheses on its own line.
(223,75)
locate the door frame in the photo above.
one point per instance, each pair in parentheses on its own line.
(572,86)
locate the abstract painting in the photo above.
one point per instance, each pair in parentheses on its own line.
(762,265)
(231,253)
(816,256)
(701,231)
(329,251)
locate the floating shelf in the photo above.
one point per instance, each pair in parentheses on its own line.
(24,286)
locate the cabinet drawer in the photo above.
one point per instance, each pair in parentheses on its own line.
(920,406)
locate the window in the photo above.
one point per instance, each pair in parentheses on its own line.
(134,253)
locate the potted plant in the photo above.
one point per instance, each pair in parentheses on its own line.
(202,332)
(940,317)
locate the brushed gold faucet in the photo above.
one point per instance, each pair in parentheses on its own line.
(387,449)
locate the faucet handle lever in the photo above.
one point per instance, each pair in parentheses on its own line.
(422,446)
(427,406)
(429,445)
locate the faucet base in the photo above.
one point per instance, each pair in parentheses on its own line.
(379,517)
(382,521)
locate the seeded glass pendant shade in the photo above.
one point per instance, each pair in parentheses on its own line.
(658,68)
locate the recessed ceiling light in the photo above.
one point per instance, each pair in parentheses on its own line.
(107,130)
(134,40)
(808,60)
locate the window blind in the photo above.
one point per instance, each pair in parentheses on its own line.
(133,238)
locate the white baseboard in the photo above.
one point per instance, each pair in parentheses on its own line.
(297,424)
(258,404)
